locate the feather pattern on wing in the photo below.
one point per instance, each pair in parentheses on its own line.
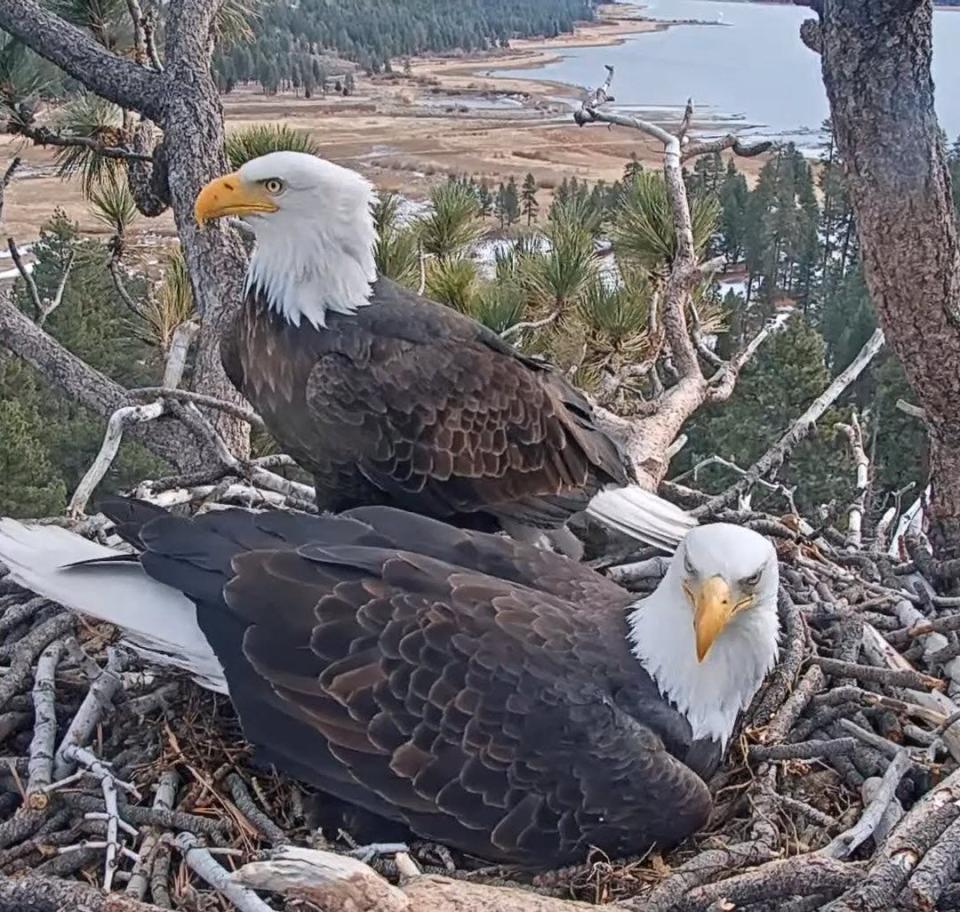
(478,690)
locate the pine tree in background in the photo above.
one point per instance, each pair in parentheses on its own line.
(485,198)
(788,373)
(500,206)
(46,430)
(31,485)
(734,197)
(511,202)
(528,197)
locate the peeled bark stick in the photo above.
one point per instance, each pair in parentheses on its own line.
(108,783)
(163,800)
(337,883)
(900,854)
(932,641)
(875,645)
(895,678)
(40,770)
(95,704)
(935,873)
(844,845)
(27,651)
(203,864)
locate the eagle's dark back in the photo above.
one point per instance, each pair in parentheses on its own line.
(480,691)
(412,404)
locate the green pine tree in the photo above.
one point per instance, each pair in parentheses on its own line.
(528,198)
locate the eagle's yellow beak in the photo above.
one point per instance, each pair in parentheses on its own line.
(231,195)
(713,608)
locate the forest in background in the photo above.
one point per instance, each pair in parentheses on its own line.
(291,44)
(791,238)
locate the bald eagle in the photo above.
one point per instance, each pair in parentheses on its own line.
(486,694)
(389,398)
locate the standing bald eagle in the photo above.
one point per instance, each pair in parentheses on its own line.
(388,398)
(494,697)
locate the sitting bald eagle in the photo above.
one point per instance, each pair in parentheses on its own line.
(497,698)
(389,398)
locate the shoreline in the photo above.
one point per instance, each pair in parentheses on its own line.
(406,132)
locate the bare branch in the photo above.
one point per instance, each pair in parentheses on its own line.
(61,287)
(139,36)
(202,863)
(687,120)
(114,268)
(854,434)
(150,33)
(44,727)
(177,395)
(163,801)
(119,420)
(25,274)
(176,362)
(519,328)
(42,136)
(914,411)
(694,150)
(774,457)
(7,177)
(98,699)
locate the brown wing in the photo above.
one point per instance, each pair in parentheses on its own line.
(445,418)
(506,722)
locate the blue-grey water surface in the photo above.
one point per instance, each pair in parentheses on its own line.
(752,67)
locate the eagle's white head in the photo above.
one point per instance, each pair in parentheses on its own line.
(709,633)
(315,237)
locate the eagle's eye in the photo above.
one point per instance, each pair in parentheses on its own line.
(273,186)
(688,567)
(750,582)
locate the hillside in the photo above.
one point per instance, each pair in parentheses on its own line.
(289,38)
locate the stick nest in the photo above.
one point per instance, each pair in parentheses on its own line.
(841,790)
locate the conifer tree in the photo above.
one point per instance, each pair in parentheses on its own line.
(530,206)
(511,202)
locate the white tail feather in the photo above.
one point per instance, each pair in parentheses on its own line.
(157,621)
(643,515)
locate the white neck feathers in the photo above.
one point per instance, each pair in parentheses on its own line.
(711,693)
(316,255)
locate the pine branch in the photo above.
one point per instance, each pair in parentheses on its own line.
(73,50)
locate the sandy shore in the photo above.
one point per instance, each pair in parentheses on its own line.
(448,116)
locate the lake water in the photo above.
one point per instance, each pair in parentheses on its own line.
(753,67)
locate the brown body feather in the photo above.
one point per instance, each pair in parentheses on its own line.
(480,691)
(410,403)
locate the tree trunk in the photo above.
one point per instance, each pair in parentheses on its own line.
(183,100)
(876,68)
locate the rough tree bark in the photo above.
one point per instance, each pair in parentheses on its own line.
(876,68)
(183,101)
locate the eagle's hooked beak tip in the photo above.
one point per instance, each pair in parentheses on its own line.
(713,608)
